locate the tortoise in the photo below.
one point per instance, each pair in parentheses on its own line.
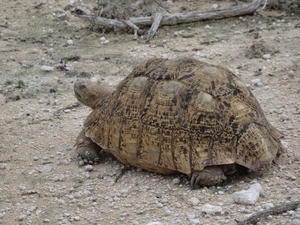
(178,115)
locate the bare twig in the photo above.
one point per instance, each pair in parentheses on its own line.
(266,2)
(161,5)
(253,219)
(155,25)
(134,27)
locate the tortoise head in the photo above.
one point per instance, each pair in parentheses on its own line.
(90,93)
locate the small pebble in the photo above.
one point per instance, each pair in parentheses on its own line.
(211,209)
(77,218)
(291,176)
(249,196)
(291,73)
(46,220)
(69,42)
(214,6)
(255,81)
(176,181)
(194,201)
(194,221)
(22,217)
(283,117)
(89,168)
(94,79)
(3,166)
(47,68)
(266,56)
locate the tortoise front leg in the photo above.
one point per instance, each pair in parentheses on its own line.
(87,149)
(209,176)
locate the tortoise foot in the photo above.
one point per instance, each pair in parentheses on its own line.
(88,155)
(207,177)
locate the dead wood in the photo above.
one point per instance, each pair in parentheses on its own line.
(253,219)
(155,25)
(172,19)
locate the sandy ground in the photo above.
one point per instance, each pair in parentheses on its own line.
(40,180)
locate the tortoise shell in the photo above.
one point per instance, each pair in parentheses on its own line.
(182,115)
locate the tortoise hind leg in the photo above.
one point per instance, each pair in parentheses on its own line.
(209,176)
(87,149)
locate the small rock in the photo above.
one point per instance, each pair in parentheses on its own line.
(45,168)
(89,168)
(284,117)
(47,68)
(291,176)
(266,56)
(255,81)
(159,205)
(285,145)
(22,217)
(3,166)
(214,6)
(211,209)
(77,218)
(268,205)
(176,181)
(194,221)
(46,220)
(70,42)
(249,196)
(194,201)
(94,79)
(291,73)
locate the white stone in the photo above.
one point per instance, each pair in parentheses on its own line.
(255,81)
(284,116)
(45,168)
(89,168)
(291,176)
(94,79)
(47,68)
(194,201)
(285,145)
(211,209)
(249,196)
(70,42)
(77,218)
(214,6)
(194,221)
(266,56)
(176,181)
(291,73)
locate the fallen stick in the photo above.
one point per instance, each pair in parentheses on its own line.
(156,23)
(175,18)
(253,219)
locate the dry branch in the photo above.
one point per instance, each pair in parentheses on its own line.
(175,18)
(155,25)
(274,210)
